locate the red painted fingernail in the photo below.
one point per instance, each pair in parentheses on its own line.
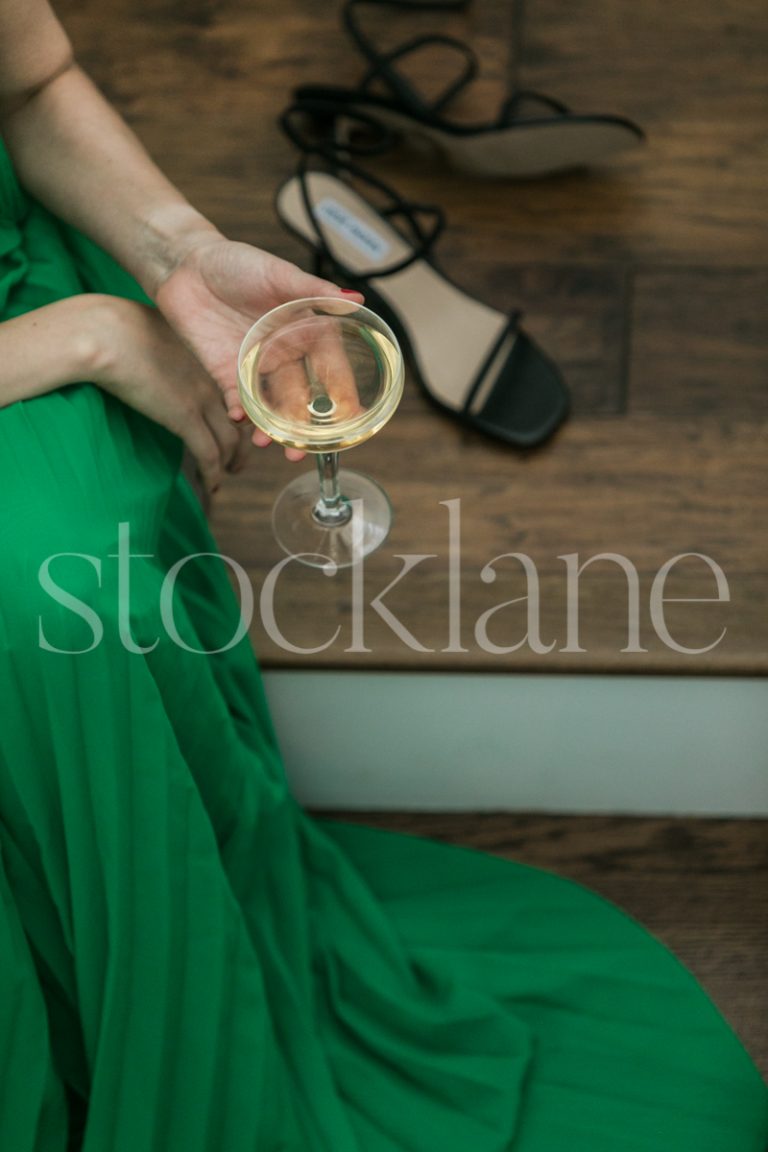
(350,292)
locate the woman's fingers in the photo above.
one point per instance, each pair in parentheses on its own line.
(243,448)
(288,282)
(306,358)
(287,345)
(299,365)
(212,438)
(233,403)
(240,454)
(228,435)
(206,452)
(330,366)
(261,440)
(287,392)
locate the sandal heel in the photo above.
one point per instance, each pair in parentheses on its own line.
(532,134)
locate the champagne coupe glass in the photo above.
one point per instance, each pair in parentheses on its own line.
(322,375)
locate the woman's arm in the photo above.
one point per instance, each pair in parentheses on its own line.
(130,351)
(73,152)
(48,348)
(76,155)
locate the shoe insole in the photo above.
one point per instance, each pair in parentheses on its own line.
(526,148)
(537,141)
(449,332)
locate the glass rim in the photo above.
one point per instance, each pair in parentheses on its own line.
(357,428)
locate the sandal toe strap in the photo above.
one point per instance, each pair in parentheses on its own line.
(510,328)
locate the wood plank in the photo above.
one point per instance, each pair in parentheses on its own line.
(203,83)
(612,267)
(720,318)
(700,885)
(591,492)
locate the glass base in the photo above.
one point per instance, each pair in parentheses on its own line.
(301,534)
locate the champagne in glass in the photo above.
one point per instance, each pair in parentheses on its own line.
(322,375)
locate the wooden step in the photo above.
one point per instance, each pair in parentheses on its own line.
(646,279)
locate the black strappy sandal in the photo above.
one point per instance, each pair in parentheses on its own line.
(532,135)
(472,361)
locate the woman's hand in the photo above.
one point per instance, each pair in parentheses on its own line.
(217,291)
(210,290)
(137,357)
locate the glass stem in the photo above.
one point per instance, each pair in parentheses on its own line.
(331,509)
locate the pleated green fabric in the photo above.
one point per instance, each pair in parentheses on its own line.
(190,959)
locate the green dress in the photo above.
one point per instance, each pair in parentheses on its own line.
(188,956)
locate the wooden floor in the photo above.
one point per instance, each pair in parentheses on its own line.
(647,279)
(700,886)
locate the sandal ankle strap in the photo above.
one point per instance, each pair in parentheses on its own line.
(337,156)
(509,109)
(380,63)
(422,239)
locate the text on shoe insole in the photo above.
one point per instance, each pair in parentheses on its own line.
(363,238)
